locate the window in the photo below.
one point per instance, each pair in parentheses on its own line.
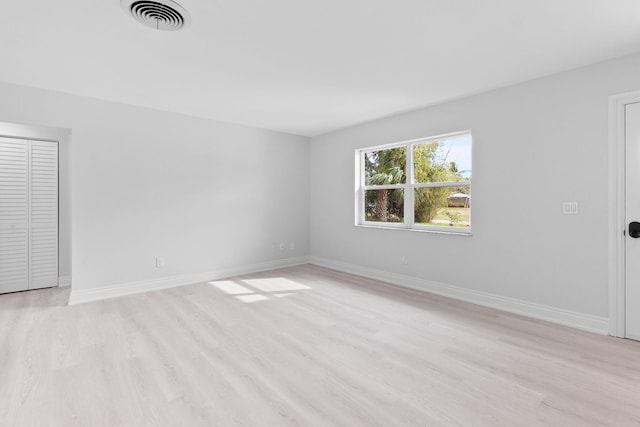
(423,184)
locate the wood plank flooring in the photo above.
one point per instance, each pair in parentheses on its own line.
(303,346)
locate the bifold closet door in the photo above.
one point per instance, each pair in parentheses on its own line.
(14,215)
(28,214)
(43,247)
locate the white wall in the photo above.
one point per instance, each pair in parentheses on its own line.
(207,195)
(536,145)
(204,195)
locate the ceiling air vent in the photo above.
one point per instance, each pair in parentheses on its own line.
(165,15)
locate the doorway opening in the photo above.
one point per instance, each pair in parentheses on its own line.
(34,207)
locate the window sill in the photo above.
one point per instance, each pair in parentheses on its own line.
(466,232)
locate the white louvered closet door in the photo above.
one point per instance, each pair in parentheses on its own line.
(43,246)
(28,214)
(14,215)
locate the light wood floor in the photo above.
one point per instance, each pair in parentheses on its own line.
(303,346)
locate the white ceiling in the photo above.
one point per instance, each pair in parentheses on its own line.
(307,67)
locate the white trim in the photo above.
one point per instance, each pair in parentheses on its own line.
(359,192)
(389,225)
(384,187)
(30,284)
(573,319)
(409,196)
(34,132)
(112,291)
(417,229)
(442,184)
(439,229)
(617,224)
(413,141)
(64,281)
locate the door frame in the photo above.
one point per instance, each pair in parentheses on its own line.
(63,137)
(617,214)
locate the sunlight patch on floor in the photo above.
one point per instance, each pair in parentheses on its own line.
(283,295)
(251,298)
(276,284)
(231,288)
(254,290)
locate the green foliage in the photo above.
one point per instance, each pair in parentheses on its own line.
(386,167)
(431,165)
(454,217)
(384,205)
(428,201)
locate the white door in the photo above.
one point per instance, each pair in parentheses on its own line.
(28,214)
(14,215)
(43,211)
(632,215)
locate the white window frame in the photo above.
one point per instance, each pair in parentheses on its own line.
(409,186)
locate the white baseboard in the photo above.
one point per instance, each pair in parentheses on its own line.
(64,281)
(582,321)
(112,291)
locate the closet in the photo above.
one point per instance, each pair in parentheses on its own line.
(28,214)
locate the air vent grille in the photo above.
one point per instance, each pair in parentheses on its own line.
(165,15)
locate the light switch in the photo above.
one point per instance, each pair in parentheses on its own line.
(570,208)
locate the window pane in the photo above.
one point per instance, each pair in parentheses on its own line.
(384,167)
(443,206)
(384,205)
(441,160)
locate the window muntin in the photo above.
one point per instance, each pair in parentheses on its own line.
(433,193)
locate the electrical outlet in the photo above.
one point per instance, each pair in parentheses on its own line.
(405,260)
(159,262)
